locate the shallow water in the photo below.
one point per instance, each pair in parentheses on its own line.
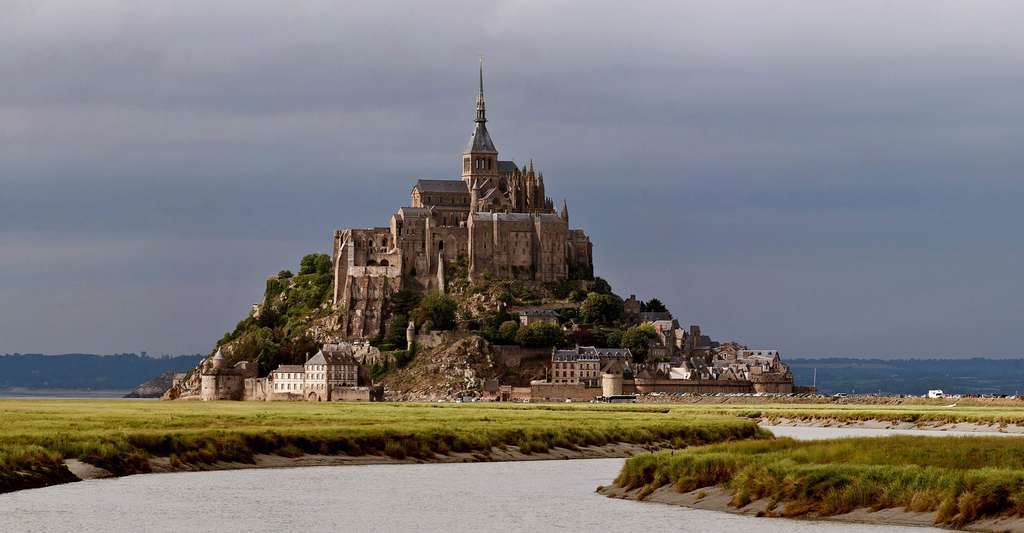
(819,433)
(516,496)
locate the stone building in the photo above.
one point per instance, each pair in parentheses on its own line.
(332,369)
(221,382)
(289,380)
(583,364)
(335,373)
(495,220)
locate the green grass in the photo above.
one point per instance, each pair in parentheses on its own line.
(961,479)
(121,436)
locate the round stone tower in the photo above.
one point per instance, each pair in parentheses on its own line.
(410,335)
(218,360)
(611,383)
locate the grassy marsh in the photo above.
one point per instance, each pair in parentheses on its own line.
(959,479)
(121,436)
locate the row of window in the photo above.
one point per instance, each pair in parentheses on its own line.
(479,163)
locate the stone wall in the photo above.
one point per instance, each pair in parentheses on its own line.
(221,387)
(285,397)
(255,389)
(350,394)
(773,386)
(690,386)
(559,392)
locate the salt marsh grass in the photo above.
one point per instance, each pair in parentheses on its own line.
(960,479)
(122,436)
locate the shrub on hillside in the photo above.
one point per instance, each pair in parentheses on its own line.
(539,335)
(507,331)
(437,308)
(601,286)
(637,339)
(601,308)
(315,264)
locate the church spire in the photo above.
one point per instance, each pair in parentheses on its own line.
(481,109)
(480,158)
(565,211)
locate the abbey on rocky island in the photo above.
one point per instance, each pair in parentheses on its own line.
(496,220)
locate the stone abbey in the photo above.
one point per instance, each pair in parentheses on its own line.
(496,220)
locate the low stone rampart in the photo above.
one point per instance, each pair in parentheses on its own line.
(560,392)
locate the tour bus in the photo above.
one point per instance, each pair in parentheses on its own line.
(618,398)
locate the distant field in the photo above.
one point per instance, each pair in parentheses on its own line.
(121,436)
(946,411)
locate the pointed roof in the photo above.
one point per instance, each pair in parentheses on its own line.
(480,141)
(333,354)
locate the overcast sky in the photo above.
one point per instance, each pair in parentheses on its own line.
(825,178)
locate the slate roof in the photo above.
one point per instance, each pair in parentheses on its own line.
(507,167)
(538,312)
(333,355)
(288,368)
(406,211)
(590,353)
(441,186)
(480,141)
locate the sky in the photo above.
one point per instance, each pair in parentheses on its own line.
(824,178)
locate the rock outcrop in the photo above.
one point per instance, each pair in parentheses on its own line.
(154,388)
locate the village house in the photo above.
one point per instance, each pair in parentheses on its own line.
(288,379)
(583,364)
(333,369)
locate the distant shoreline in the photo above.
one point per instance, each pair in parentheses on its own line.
(64,394)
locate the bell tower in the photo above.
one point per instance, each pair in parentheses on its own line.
(480,159)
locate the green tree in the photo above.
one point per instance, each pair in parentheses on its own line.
(601,308)
(539,335)
(315,264)
(437,308)
(395,334)
(638,338)
(507,331)
(403,302)
(614,338)
(601,286)
(654,305)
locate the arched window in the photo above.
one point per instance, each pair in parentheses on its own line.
(384,263)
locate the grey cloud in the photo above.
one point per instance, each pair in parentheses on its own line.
(825,177)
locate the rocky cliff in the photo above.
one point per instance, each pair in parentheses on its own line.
(153,388)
